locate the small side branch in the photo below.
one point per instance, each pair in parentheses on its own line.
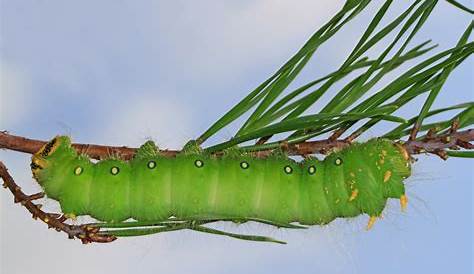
(437,144)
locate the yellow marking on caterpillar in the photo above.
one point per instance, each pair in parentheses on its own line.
(384,152)
(371,222)
(354,194)
(403,202)
(387,176)
(382,161)
(352,174)
(36,166)
(48,148)
(38,161)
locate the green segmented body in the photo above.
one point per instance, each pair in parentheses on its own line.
(355,180)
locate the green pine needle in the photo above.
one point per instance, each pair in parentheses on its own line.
(272,109)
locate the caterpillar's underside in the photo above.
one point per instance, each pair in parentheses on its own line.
(347,183)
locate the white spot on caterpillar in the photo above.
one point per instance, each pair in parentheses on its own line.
(199,163)
(311,170)
(288,169)
(114,170)
(151,164)
(338,162)
(244,165)
(78,170)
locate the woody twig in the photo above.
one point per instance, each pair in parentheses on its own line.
(437,144)
(432,143)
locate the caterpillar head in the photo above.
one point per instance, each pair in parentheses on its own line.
(40,160)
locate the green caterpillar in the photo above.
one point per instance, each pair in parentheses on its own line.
(150,187)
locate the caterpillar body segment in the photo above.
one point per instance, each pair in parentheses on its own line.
(347,183)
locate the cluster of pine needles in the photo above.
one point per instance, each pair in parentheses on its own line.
(273,109)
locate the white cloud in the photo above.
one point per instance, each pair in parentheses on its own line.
(15,95)
(235,38)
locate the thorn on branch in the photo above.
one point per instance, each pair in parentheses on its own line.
(338,134)
(441,153)
(454,126)
(263,140)
(431,133)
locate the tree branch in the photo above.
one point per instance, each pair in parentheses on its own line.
(430,144)
(31,146)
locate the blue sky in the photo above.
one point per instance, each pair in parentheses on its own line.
(120,72)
